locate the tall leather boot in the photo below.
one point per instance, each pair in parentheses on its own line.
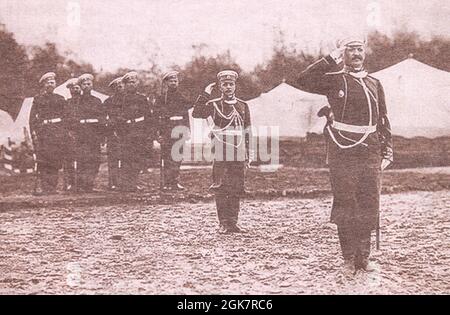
(348,248)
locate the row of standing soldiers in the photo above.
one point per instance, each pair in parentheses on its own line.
(69,133)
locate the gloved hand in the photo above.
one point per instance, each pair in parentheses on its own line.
(338,54)
(209,88)
(388,157)
(385,163)
(326,112)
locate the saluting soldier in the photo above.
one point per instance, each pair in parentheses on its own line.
(87,118)
(70,156)
(48,133)
(231,142)
(134,127)
(171,111)
(360,145)
(113,104)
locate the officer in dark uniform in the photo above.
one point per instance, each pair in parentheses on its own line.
(48,133)
(171,110)
(87,120)
(112,105)
(360,145)
(231,142)
(70,161)
(134,122)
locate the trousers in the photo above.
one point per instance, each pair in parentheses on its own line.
(355,243)
(227,209)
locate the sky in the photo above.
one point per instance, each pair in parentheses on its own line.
(128,33)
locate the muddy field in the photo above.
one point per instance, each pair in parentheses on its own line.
(174,249)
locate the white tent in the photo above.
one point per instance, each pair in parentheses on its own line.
(417,99)
(6,125)
(292,110)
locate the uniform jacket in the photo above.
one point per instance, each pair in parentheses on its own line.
(205,108)
(132,115)
(85,119)
(349,103)
(174,106)
(47,135)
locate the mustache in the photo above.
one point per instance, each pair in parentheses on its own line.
(357,58)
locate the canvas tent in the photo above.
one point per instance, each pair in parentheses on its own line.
(292,110)
(417,99)
(6,125)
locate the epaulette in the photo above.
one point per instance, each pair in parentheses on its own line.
(334,73)
(214,100)
(242,101)
(373,78)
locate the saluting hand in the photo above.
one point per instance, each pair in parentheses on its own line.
(338,53)
(209,88)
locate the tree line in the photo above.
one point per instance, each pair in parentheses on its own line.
(21,66)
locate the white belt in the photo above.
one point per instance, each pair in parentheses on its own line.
(88,121)
(353,128)
(52,121)
(229,132)
(176,118)
(135,120)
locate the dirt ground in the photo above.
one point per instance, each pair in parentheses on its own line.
(175,249)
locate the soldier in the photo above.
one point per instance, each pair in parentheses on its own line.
(231,137)
(360,146)
(113,105)
(87,118)
(70,162)
(134,123)
(48,134)
(171,110)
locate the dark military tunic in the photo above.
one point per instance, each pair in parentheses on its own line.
(134,123)
(171,110)
(86,119)
(356,148)
(71,142)
(46,125)
(355,172)
(112,105)
(230,140)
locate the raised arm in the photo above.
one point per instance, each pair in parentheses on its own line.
(313,79)
(201,107)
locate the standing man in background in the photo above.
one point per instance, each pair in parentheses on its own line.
(70,163)
(48,133)
(113,104)
(89,121)
(134,127)
(171,110)
(360,145)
